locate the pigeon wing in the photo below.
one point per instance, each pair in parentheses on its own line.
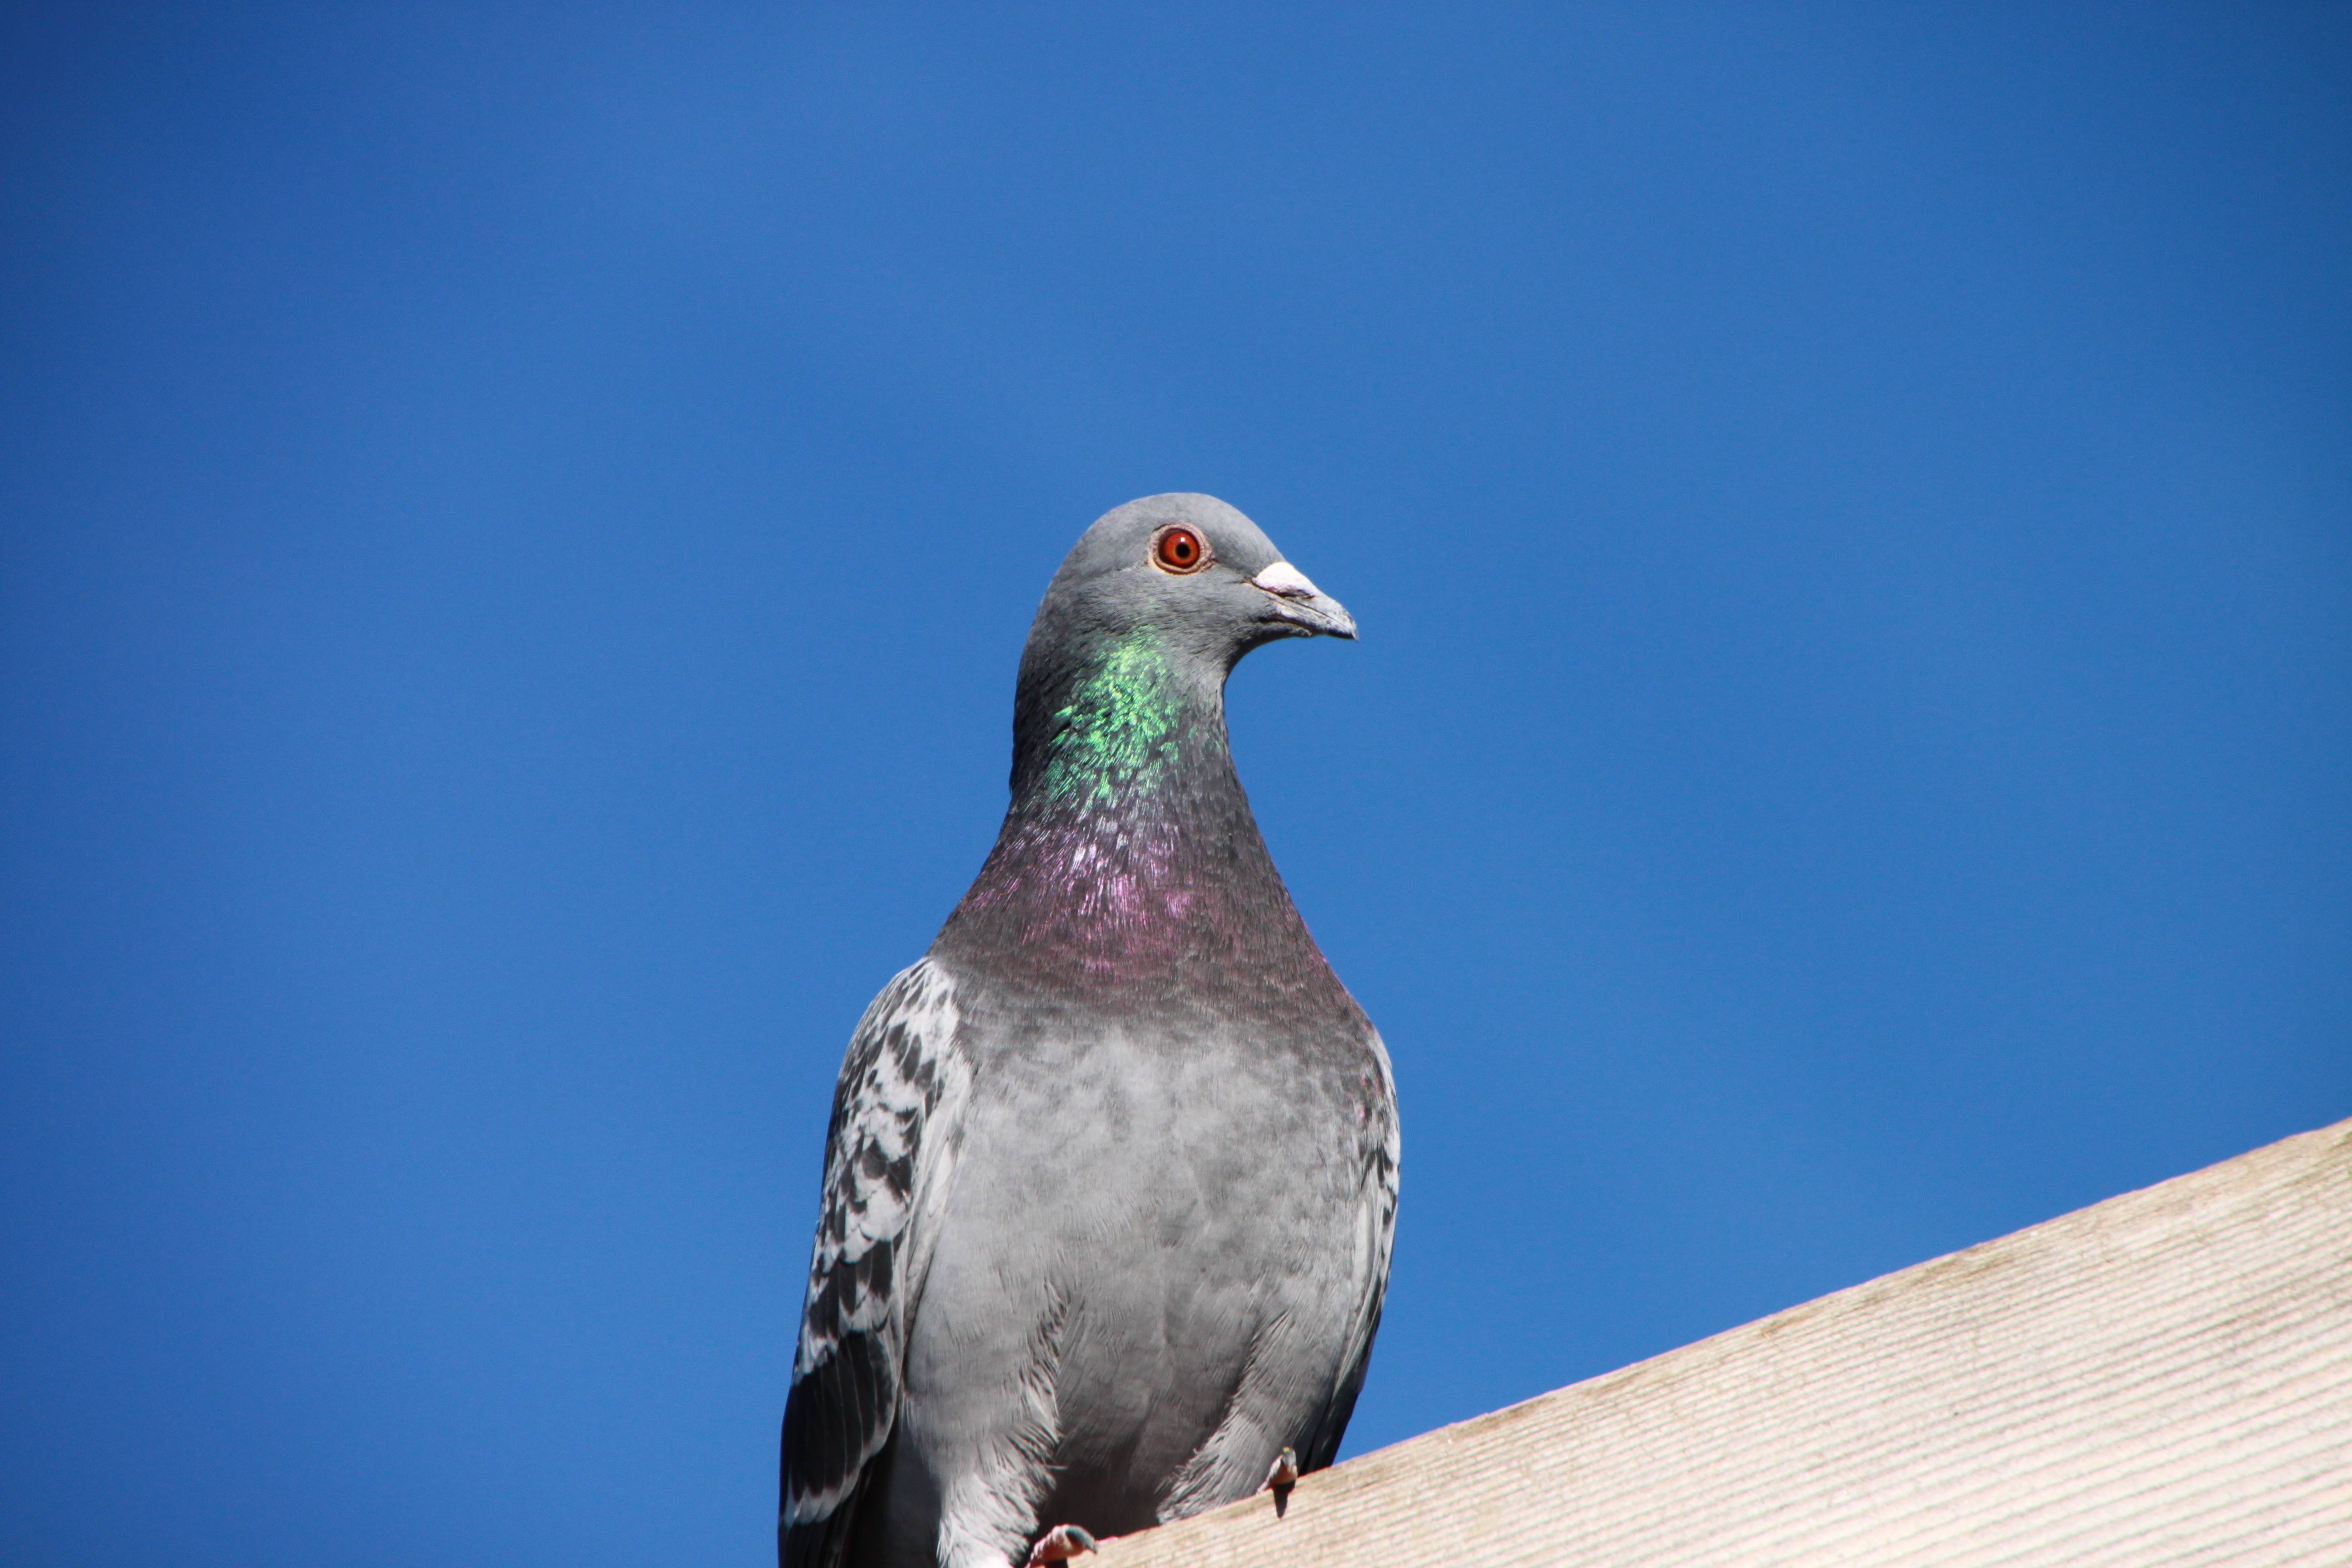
(1374,1241)
(902,1089)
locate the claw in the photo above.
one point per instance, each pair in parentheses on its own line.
(1285,1473)
(1059,1545)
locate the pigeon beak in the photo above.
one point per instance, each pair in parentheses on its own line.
(1302,604)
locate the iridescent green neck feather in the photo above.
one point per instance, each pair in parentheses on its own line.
(1128,864)
(1120,734)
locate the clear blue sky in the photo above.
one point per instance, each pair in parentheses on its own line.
(516,530)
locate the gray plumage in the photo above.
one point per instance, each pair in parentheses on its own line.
(1111,1179)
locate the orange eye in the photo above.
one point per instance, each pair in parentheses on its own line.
(1179,550)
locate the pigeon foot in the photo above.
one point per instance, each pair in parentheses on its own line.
(1285,1473)
(1059,1545)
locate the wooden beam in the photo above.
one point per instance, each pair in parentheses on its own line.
(2164,1377)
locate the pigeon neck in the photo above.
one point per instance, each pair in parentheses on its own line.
(1128,855)
(1121,734)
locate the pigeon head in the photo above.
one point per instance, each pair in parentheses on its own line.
(1126,663)
(1187,572)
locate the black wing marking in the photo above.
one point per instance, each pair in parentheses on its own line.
(902,1085)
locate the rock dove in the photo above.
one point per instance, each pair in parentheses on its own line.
(1111,1179)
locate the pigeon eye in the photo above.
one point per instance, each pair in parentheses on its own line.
(1178,550)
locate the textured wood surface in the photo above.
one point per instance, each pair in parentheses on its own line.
(2162,1378)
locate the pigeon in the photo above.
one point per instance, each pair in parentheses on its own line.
(1110,1184)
